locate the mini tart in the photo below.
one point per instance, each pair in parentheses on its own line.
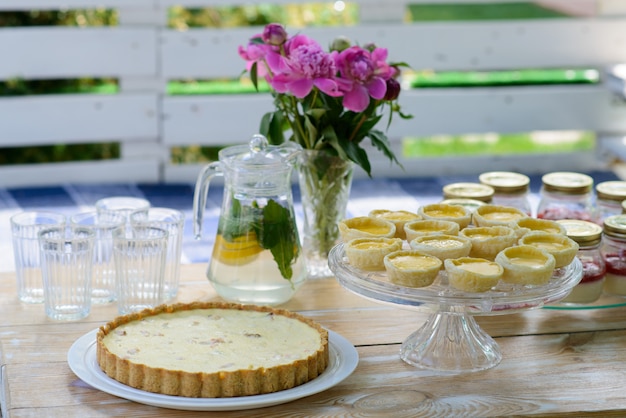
(442,246)
(526,265)
(543,225)
(212,350)
(412,268)
(366,227)
(488,241)
(368,253)
(475,275)
(444,212)
(497,215)
(416,229)
(398,217)
(562,248)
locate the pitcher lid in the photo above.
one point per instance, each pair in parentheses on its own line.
(258,153)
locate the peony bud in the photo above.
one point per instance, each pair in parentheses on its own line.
(370,46)
(340,43)
(393,89)
(274,34)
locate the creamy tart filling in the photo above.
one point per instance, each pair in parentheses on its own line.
(212,340)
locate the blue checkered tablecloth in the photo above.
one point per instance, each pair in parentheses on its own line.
(366,194)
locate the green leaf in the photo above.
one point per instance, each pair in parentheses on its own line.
(380,141)
(254,76)
(272,127)
(279,236)
(359,156)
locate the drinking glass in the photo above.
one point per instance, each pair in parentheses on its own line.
(66,260)
(123,205)
(25,227)
(173,221)
(139,254)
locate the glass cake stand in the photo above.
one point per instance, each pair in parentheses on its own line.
(451,340)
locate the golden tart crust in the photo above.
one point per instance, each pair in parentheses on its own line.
(218,381)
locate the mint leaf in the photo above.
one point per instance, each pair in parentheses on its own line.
(278,235)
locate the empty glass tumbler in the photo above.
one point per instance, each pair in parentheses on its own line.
(103,271)
(66,260)
(123,205)
(25,227)
(139,254)
(173,221)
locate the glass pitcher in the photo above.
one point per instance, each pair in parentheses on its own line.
(257,257)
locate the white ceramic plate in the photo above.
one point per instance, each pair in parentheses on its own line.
(82,360)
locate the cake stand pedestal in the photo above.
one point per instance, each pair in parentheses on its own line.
(451,340)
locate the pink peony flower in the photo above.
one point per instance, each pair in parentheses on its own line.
(304,65)
(363,75)
(255,53)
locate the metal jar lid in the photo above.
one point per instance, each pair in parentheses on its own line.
(567,182)
(585,233)
(505,182)
(615,226)
(474,191)
(612,190)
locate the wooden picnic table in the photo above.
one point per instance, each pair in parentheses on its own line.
(555,362)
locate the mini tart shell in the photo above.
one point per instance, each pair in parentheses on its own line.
(244,382)
(369,253)
(536,271)
(412,277)
(488,241)
(442,246)
(497,215)
(562,248)
(471,280)
(543,225)
(366,227)
(397,217)
(445,212)
(420,228)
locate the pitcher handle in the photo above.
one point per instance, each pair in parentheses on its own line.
(200,195)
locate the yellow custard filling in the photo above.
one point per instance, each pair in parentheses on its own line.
(485,267)
(213,340)
(528,261)
(413,262)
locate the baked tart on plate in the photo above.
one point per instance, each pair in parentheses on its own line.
(212,350)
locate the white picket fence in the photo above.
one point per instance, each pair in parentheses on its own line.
(144,54)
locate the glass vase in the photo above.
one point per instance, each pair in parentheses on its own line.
(325,182)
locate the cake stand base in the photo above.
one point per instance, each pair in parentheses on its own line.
(451,342)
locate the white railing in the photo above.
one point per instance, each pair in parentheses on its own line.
(144,54)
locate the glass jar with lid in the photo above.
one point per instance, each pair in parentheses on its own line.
(566,195)
(613,251)
(510,189)
(609,198)
(475,191)
(588,235)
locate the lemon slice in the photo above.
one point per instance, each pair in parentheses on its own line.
(488,241)
(444,212)
(442,246)
(368,253)
(398,217)
(562,248)
(416,229)
(412,268)
(366,227)
(526,265)
(241,250)
(474,275)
